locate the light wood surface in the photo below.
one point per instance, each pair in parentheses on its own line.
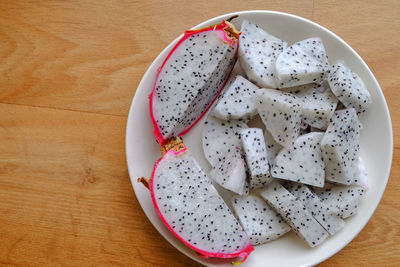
(68,72)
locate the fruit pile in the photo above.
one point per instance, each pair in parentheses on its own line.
(300,169)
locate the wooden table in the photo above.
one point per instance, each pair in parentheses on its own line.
(68,72)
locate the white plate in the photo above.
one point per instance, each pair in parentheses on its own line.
(376,144)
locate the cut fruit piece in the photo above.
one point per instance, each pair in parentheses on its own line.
(220,137)
(361,177)
(318,105)
(272,147)
(230,173)
(341,147)
(190,79)
(344,200)
(261,223)
(322,212)
(303,162)
(256,157)
(301,63)
(294,213)
(236,102)
(349,88)
(281,114)
(192,209)
(258,51)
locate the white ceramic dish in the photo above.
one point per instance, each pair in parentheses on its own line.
(376,144)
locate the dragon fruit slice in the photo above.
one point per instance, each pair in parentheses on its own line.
(361,177)
(281,114)
(294,213)
(236,102)
(192,209)
(258,51)
(303,162)
(340,146)
(321,211)
(190,79)
(301,63)
(256,156)
(220,137)
(230,173)
(349,88)
(344,200)
(261,223)
(318,105)
(272,147)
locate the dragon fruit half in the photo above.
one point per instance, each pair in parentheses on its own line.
(191,78)
(192,209)
(261,223)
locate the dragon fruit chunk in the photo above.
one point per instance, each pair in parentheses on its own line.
(344,200)
(236,102)
(191,78)
(340,147)
(281,114)
(361,177)
(192,209)
(258,51)
(294,213)
(230,173)
(318,105)
(256,156)
(301,63)
(220,137)
(321,211)
(303,162)
(272,147)
(349,88)
(261,223)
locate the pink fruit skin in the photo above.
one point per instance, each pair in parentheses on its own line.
(187,34)
(205,254)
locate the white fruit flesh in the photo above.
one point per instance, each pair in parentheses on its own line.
(294,213)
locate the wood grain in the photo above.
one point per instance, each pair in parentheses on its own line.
(68,72)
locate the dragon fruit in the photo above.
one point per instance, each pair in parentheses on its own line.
(301,63)
(349,88)
(220,137)
(321,211)
(340,147)
(294,213)
(261,223)
(192,209)
(272,147)
(361,176)
(281,114)
(343,200)
(236,102)
(191,77)
(230,173)
(318,105)
(256,156)
(303,162)
(258,51)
